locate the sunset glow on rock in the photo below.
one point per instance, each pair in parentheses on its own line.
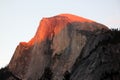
(53,25)
(74,18)
(58,42)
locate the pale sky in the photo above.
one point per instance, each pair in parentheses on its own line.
(19,19)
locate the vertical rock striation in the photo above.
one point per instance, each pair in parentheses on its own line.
(65,47)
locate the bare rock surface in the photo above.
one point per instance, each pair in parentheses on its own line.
(67,47)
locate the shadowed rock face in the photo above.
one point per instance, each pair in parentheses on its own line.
(66,47)
(56,45)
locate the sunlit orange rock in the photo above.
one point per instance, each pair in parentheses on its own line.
(55,24)
(56,44)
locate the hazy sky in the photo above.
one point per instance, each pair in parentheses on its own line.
(19,19)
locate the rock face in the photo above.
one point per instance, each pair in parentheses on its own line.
(99,60)
(67,47)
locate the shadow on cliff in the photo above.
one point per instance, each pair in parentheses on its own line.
(5,74)
(99,59)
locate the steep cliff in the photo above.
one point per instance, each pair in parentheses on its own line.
(65,47)
(100,58)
